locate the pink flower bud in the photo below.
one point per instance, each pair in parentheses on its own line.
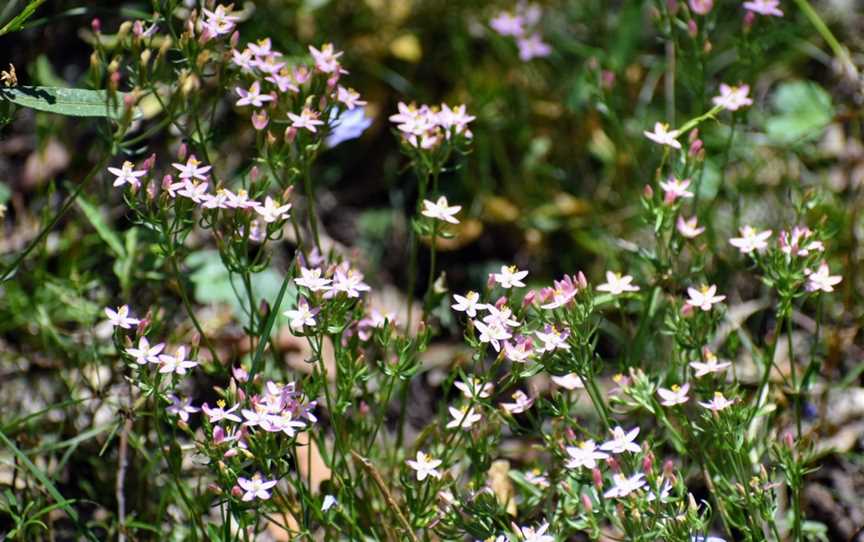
(236,492)
(240,374)
(490,281)
(529,298)
(692,28)
(749,19)
(581,280)
(648,462)
(701,7)
(789,440)
(586,503)
(241,395)
(501,302)
(598,478)
(648,192)
(182,151)
(570,434)
(96,25)
(290,134)
(254,174)
(607,79)
(234,39)
(686,310)
(668,469)
(614,466)
(695,147)
(672,6)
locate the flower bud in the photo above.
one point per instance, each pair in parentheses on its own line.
(290,134)
(701,7)
(529,298)
(586,503)
(749,19)
(96,25)
(614,466)
(234,39)
(123,31)
(240,374)
(789,440)
(695,147)
(672,6)
(213,488)
(490,281)
(692,28)
(648,192)
(648,463)
(598,478)
(236,492)
(260,120)
(182,151)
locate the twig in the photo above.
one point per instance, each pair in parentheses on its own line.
(376,476)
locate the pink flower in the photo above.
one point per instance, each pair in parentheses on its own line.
(533,47)
(764,7)
(349,97)
(718,402)
(821,279)
(701,7)
(326,59)
(622,441)
(126,174)
(252,96)
(675,188)
(689,227)
(674,396)
(121,318)
(521,403)
(307,119)
(508,24)
(256,487)
(192,170)
(145,353)
(663,136)
(219,21)
(750,240)
(181,407)
(733,98)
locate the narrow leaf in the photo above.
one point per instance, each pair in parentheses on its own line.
(73,102)
(17,23)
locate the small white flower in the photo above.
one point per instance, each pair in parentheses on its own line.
(272,211)
(821,279)
(312,279)
(586,455)
(764,7)
(675,188)
(474,388)
(510,277)
(252,96)
(553,339)
(145,353)
(302,316)
(256,487)
(710,366)
(121,318)
(463,418)
(733,98)
(217,414)
(616,284)
(689,227)
(307,119)
(425,466)
(127,175)
(704,298)
(176,363)
(219,22)
(492,333)
(192,170)
(466,303)
(624,486)
(570,381)
(622,441)
(181,408)
(750,240)
(440,210)
(674,396)
(520,404)
(530,534)
(350,282)
(718,402)
(329,502)
(663,135)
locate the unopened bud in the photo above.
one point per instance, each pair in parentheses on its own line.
(597,476)
(214,488)
(648,462)
(586,503)
(182,152)
(236,492)
(692,28)
(614,466)
(290,134)
(235,39)
(648,192)
(123,31)
(789,440)
(260,120)
(529,298)
(695,148)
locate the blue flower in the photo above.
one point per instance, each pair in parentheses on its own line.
(348,125)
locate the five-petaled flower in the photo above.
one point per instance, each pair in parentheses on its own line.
(121,318)
(750,240)
(441,210)
(704,297)
(663,136)
(733,98)
(622,441)
(127,174)
(425,465)
(510,277)
(467,303)
(256,487)
(675,395)
(252,96)
(617,284)
(821,279)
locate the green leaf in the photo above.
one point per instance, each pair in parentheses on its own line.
(72,102)
(803,108)
(94,216)
(17,23)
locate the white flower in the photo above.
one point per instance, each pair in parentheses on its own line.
(689,227)
(475,388)
(181,408)
(127,175)
(510,277)
(530,534)
(500,316)
(616,284)
(302,316)
(219,21)
(192,170)
(307,119)
(675,188)
(624,486)
(750,240)
(466,304)
(271,211)
(121,318)
(704,297)
(176,363)
(425,466)
(329,502)
(197,192)
(622,441)
(521,403)
(712,365)
(492,333)
(349,97)
(440,210)
(553,339)
(311,278)
(674,396)
(821,279)
(463,418)
(252,96)
(350,282)
(718,402)
(663,136)
(584,455)
(256,487)
(217,414)
(145,353)
(520,352)
(733,98)
(570,381)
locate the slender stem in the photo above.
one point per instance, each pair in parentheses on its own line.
(310,196)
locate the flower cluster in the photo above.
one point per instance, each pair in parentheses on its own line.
(521,24)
